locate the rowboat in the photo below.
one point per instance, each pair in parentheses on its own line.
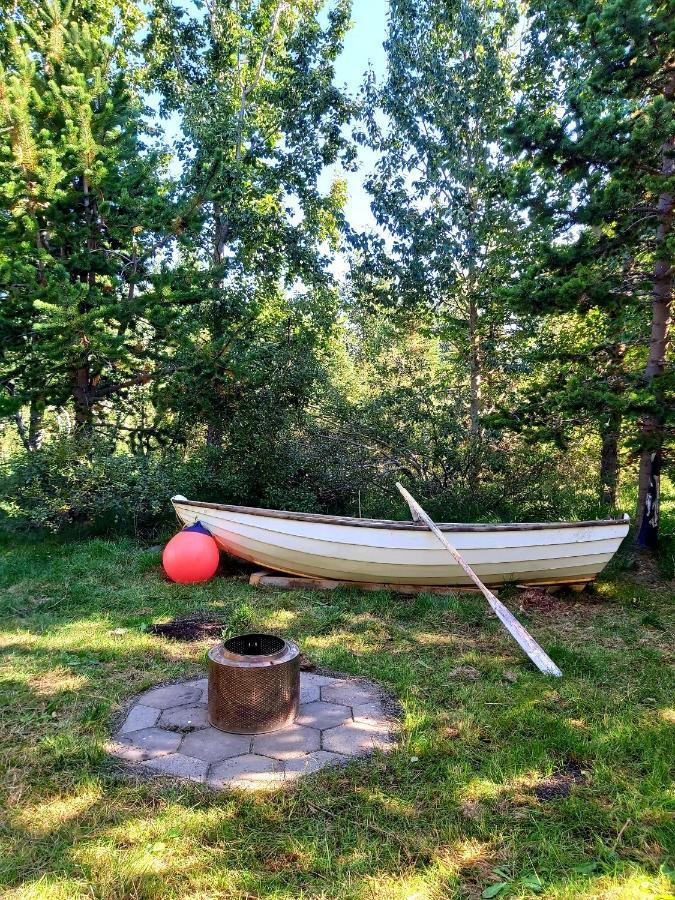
(383,551)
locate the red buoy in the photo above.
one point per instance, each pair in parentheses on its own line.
(191,555)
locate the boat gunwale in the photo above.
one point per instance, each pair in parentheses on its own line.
(396,525)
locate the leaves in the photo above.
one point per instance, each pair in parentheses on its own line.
(494,890)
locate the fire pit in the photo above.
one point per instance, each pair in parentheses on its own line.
(254,684)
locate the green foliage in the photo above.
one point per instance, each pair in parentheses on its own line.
(592,130)
(183,333)
(84,213)
(253,85)
(67,483)
(438,183)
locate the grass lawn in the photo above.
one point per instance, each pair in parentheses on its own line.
(556,787)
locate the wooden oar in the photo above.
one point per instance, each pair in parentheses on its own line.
(541,660)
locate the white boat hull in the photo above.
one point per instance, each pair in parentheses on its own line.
(380,551)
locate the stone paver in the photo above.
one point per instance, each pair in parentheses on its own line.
(357,738)
(180,766)
(309,693)
(140,717)
(171,695)
(349,694)
(185,718)
(250,771)
(322,715)
(314,680)
(167,732)
(146,743)
(369,712)
(212,745)
(305,765)
(287,742)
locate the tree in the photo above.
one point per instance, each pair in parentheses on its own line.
(438,189)
(252,82)
(84,210)
(569,379)
(595,128)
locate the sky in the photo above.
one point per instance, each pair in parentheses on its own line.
(362,50)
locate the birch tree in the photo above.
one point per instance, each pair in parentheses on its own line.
(438,189)
(252,83)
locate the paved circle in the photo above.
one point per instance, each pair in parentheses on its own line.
(166,733)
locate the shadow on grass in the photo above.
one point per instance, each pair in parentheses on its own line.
(457,799)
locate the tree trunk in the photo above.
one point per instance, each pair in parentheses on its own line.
(610,427)
(474,368)
(35,432)
(214,434)
(81,398)
(647,516)
(82,375)
(610,433)
(647,537)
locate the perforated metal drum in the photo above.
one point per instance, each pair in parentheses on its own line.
(254,684)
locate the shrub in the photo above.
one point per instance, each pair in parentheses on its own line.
(71,481)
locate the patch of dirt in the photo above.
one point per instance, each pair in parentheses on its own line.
(560,785)
(306,664)
(563,606)
(472,809)
(450,732)
(538,601)
(197,627)
(282,860)
(644,569)
(467,673)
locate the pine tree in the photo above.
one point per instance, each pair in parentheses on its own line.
(84,211)
(596,128)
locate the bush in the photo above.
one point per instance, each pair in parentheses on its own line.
(70,482)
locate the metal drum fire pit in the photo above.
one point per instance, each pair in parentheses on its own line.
(254,684)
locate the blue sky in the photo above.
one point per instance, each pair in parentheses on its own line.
(362,49)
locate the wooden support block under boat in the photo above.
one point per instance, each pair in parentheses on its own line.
(266,579)
(555,587)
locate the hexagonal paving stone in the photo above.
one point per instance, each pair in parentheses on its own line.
(349,694)
(251,772)
(305,765)
(146,744)
(369,712)
(312,679)
(212,745)
(184,718)
(140,717)
(322,715)
(180,766)
(171,695)
(357,738)
(287,742)
(309,693)
(202,685)
(324,734)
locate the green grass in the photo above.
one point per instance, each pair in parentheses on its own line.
(435,819)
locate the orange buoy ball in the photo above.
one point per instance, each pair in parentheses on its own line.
(191,555)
